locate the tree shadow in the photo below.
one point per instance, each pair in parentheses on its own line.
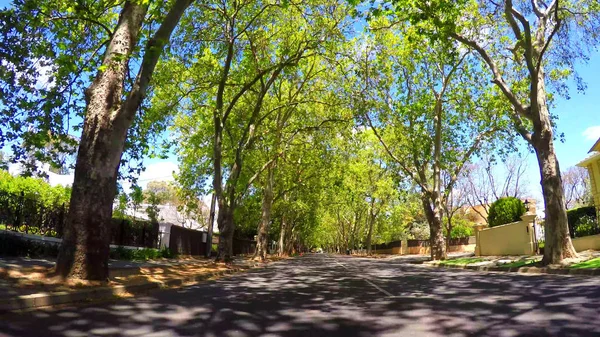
(317,296)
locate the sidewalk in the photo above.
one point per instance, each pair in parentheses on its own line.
(24,283)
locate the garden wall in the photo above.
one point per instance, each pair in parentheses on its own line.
(421,247)
(515,238)
(587,242)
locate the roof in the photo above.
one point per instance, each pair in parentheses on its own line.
(596,146)
(590,159)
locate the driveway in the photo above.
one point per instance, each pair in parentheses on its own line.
(320,295)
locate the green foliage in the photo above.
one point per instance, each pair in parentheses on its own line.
(506,210)
(574,217)
(122,201)
(34,189)
(586,225)
(420,231)
(589,264)
(153,210)
(461,230)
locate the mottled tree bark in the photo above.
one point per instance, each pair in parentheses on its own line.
(533,41)
(85,247)
(433,213)
(558,241)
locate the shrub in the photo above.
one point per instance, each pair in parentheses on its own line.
(586,225)
(574,217)
(505,210)
(461,228)
(461,231)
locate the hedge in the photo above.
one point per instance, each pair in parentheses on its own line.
(505,210)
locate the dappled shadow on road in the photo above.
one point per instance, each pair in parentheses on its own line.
(317,296)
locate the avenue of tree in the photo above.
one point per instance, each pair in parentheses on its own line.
(313,123)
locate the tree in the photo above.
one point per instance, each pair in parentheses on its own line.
(153,210)
(488,180)
(165,191)
(430,110)
(251,44)
(576,184)
(528,48)
(137,197)
(89,46)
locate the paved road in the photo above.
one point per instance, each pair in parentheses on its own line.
(319,295)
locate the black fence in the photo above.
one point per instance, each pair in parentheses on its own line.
(459,241)
(243,246)
(126,232)
(27,215)
(186,241)
(418,243)
(387,245)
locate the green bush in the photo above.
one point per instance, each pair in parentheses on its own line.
(461,231)
(586,225)
(34,189)
(575,215)
(505,210)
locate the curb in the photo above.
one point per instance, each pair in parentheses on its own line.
(523,270)
(39,300)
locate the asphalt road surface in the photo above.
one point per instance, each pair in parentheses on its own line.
(320,295)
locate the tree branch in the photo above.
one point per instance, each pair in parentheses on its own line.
(498,80)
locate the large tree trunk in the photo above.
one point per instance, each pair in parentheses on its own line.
(436,234)
(226,229)
(85,248)
(262,243)
(558,244)
(211,223)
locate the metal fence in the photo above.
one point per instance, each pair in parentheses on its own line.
(24,214)
(186,241)
(27,215)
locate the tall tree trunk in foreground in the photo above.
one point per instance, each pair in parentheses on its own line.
(532,43)
(558,241)
(85,248)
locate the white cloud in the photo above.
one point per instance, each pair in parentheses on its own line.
(592,133)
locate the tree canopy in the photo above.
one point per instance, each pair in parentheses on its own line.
(333,124)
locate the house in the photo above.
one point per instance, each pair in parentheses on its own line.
(592,164)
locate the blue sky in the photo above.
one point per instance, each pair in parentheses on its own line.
(579,120)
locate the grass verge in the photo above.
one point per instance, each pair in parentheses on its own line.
(461,261)
(589,264)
